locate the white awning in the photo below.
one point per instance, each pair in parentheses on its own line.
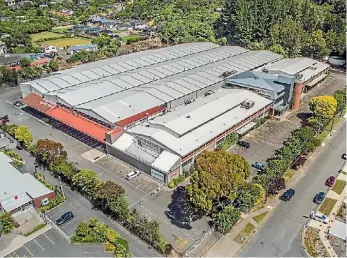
(246,128)
(123,142)
(165,161)
(338,229)
(317,80)
(9,206)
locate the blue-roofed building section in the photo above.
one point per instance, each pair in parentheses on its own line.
(277,88)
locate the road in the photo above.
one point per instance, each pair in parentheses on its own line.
(280,235)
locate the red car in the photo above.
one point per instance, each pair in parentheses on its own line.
(330,181)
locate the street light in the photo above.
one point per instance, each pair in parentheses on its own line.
(61,187)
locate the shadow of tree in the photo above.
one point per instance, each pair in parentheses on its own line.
(180,212)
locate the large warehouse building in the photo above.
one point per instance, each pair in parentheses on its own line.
(155,109)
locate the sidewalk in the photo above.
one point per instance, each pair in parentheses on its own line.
(227,246)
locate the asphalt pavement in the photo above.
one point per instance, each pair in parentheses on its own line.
(51,244)
(280,236)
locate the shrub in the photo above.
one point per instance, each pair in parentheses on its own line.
(12,154)
(230,140)
(171,184)
(6,222)
(36,228)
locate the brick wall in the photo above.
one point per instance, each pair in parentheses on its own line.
(38,201)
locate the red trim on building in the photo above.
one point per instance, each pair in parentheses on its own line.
(79,123)
(116,131)
(139,116)
(16,68)
(37,102)
(40,62)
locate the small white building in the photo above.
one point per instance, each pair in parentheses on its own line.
(49,49)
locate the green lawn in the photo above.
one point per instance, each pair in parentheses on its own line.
(327,206)
(43,35)
(259,218)
(339,186)
(59,43)
(245,233)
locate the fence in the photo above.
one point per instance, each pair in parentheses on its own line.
(203,244)
(60,232)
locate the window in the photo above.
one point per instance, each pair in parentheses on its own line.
(187,162)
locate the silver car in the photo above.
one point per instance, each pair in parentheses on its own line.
(133,174)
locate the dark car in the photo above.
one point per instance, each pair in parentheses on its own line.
(287,195)
(258,165)
(244,144)
(344,155)
(318,199)
(330,181)
(64,218)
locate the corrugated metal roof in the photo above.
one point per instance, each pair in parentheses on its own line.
(165,161)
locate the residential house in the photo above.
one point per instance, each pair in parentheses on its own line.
(49,49)
(4,18)
(79,48)
(139,25)
(124,26)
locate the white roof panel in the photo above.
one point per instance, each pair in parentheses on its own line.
(165,161)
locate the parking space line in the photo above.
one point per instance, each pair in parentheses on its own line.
(39,244)
(48,238)
(28,250)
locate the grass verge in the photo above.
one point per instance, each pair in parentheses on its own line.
(339,186)
(327,206)
(245,233)
(288,174)
(259,218)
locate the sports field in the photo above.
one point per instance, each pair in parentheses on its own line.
(60,43)
(43,35)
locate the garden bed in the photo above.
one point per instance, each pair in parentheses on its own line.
(313,244)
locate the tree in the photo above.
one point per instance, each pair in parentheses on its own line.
(49,152)
(225,220)
(6,222)
(324,109)
(106,193)
(120,208)
(122,248)
(53,65)
(219,175)
(64,168)
(23,135)
(340,96)
(315,45)
(25,62)
(87,182)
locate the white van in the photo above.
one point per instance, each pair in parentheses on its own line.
(316,215)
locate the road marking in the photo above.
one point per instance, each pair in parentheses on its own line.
(28,250)
(39,244)
(48,238)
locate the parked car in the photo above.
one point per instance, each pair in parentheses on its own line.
(19,147)
(64,218)
(344,155)
(330,181)
(287,195)
(318,199)
(316,215)
(258,165)
(244,144)
(132,174)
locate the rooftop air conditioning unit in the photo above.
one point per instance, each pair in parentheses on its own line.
(188,101)
(228,73)
(208,93)
(248,104)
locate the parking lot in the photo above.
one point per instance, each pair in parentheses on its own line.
(51,244)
